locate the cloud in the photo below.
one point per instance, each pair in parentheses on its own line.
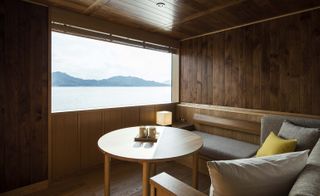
(93,59)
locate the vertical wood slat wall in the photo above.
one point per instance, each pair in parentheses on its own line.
(23,94)
(75,134)
(273,65)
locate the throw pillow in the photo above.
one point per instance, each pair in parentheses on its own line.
(263,176)
(276,145)
(308,181)
(306,137)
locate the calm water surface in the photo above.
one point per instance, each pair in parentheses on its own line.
(83,98)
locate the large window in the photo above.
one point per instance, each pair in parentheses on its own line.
(92,74)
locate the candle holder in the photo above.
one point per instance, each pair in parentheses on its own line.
(147,135)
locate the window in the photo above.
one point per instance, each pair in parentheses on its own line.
(93,74)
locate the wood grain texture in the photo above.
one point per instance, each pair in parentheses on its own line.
(166,185)
(27,190)
(172,143)
(65,144)
(270,66)
(125,180)
(186,112)
(23,94)
(112,119)
(183,19)
(147,115)
(91,129)
(94,24)
(226,123)
(130,116)
(2,99)
(75,134)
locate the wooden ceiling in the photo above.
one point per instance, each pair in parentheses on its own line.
(180,19)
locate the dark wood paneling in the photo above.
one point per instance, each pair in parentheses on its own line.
(2,99)
(23,94)
(218,69)
(183,19)
(147,115)
(272,65)
(130,116)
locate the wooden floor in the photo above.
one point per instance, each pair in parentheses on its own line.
(125,180)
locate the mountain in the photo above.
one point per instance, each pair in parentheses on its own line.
(63,79)
(168,82)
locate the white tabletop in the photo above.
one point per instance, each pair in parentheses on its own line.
(172,143)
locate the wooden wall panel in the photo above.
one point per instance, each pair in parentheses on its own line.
(2,99)
(112,119)
(65,144)
(147,115)
(130,116)
(23,94)
(75,134)
(186,111)
(272,66)
(91,129)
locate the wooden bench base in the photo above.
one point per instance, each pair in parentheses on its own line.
(165,185)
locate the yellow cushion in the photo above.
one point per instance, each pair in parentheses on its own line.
(276,145)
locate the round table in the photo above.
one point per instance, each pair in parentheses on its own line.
(172,143)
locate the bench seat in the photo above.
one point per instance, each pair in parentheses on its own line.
(222,148)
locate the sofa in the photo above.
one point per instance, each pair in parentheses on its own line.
(307,182)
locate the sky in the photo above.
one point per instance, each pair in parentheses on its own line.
(93,59)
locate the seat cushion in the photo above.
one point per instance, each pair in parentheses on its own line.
(306,137)
(222,148)
(308,181)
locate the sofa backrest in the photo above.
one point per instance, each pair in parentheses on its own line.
(273,123)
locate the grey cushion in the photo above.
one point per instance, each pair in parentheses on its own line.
(314,158)
(308,182)
(306,137)
(274,122)
(222,148)
(261,176)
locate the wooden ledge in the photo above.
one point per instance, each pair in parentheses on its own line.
(245,111)
(164,184)
(225,123)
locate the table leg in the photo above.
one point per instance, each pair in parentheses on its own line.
(195,170)
(106,175)
(145,178)
(152,190)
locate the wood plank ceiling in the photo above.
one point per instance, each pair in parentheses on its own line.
(180,19)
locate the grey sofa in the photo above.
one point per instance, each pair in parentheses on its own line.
(307,183)
(222,148)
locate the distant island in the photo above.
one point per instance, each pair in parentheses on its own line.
(63,79)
